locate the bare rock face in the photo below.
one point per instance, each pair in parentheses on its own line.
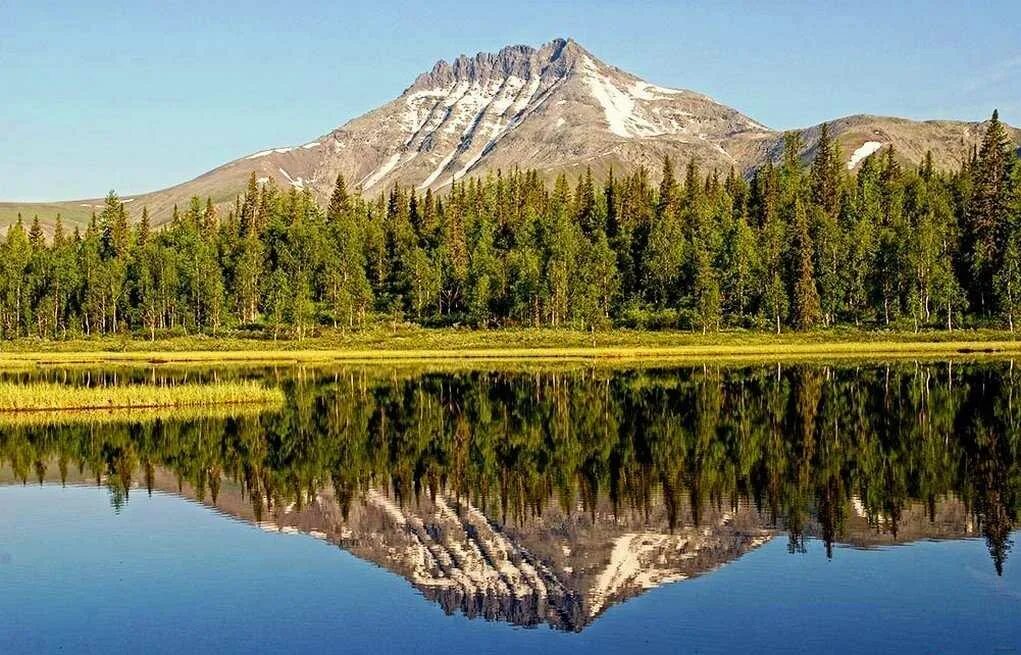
(556,109)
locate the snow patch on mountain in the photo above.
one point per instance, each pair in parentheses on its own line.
(373,178)
(867,149)
(297,182)
(645,91)
(422,106)
(265,153)
(621,107)
(526,98)
(442,166)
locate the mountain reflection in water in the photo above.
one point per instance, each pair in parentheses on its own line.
(545,495)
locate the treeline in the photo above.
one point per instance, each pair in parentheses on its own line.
(794,247)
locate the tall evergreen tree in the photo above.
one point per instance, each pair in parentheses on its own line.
(987,212)
(806,309)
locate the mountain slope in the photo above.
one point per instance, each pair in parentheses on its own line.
(557,109)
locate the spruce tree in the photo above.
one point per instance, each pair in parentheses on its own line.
(249,207)
(706,290)
(35,234)
(806,309)
(209,220)
(987,211)
(825,182)
(666,248)
(16,257)
(339,200)
(1007,280)
(144,230)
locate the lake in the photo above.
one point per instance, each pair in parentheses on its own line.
(815,507)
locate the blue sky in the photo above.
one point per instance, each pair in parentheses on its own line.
(138,96)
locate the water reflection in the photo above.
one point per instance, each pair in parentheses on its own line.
(545,496)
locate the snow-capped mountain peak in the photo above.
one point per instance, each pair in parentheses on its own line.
(502,109)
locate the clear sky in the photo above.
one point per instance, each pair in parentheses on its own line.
(141,95)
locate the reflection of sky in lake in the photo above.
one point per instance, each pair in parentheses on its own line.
(167,575)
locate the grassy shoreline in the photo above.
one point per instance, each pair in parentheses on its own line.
(420,344)
(121,415)
(31,397)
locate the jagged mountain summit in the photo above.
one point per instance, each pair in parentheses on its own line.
(556,108)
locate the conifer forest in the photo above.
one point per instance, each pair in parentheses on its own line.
(794,245)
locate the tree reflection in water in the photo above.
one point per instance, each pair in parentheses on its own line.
(544,495)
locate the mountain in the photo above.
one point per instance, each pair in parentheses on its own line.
(557,108)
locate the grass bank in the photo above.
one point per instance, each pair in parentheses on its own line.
(48,396)
(511,344)
(124,415)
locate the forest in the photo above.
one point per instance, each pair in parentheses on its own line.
(794,246)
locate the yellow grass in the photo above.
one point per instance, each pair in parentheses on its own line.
(121,415)
(420,344)
(44,396)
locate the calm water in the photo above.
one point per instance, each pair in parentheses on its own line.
(799,508)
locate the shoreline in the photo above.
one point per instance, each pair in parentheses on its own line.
(48,397)
(450,345)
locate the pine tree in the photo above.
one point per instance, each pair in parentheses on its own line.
(585,213)
(144,230)
(347,288)
(35,234)
(209,220)
(806,309)
(65,276)
(740,265)
(340,200)
(247,215)
(707,290)
(890,269)
(58,232)
(14,261)
(860,217)
(666,248)
(1007,280)
(113,221)
(825,182)
(987,211)
(773,236)
(791,174)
